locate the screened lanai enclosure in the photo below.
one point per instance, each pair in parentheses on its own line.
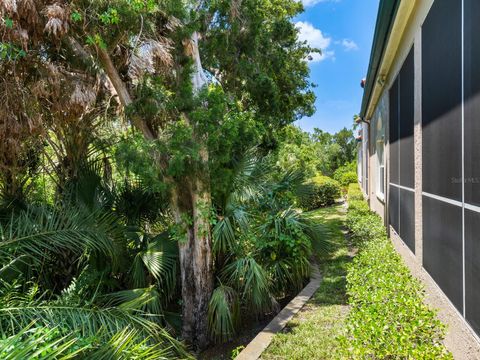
(427,76)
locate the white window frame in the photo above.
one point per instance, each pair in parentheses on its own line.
(380,155)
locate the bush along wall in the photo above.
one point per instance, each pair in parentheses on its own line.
(346,174)
(323,192)
(354,193)
(388,318)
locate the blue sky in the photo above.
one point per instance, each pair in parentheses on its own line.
(343,29)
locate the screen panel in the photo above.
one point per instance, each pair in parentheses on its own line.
(472,102)
(441,99)
(472,268)
(407,95)
(472,162)
(442,247)
(394,133)
(407,218)
(393,208)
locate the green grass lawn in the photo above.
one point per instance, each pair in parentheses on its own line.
(313,332)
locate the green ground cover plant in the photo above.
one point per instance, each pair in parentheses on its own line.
(388,317)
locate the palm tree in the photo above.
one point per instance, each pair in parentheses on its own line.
(261,243)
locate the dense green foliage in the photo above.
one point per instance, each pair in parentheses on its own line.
(388,317)
(79,280)
(320,152)
(323,191)
(354,193)
(346,174)
(363,223)
(263,243)
(133,134)
(149,173)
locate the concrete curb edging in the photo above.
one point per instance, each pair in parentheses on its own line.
(257,346)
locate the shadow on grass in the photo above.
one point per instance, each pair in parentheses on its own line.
(333,264)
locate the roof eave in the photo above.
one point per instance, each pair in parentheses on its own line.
(387,12)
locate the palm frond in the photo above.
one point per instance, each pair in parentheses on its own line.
(249,177)
(89,322)
(160,260)
(127,344)
(33,342)
(136,204)
(138,271)
(163,267)
(223,236)
(246,186)
(315,232)
(12,293)
(241,217)
(288,275)
(294,222)
(226,229)
(223,313)
(147,300)
(251,281)
(89,188)
(280,222)
(14,268)
(40,232)
(291,180)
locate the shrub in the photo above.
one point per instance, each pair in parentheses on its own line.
(354,192)
(365,226)
(358,206)
(388,317)
(323,192)
(346,174)
(347,178)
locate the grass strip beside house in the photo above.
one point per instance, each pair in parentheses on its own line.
(314,331)
(388,317)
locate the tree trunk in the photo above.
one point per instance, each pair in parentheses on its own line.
(197,285)
(196,251)
(196,261)
(191,205)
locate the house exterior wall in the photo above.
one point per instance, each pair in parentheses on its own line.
(429,204)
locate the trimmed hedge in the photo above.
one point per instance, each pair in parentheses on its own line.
(323,192)
(347,178)
(388,317)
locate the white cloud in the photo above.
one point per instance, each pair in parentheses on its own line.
(308,3)
(315,38)
(349,45)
